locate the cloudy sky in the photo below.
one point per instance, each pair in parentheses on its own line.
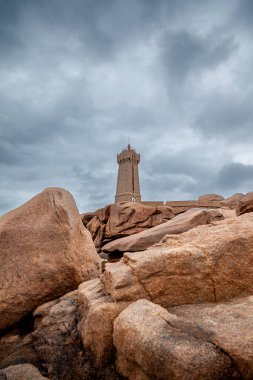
(77,77)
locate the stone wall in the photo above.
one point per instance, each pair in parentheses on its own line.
(181,206)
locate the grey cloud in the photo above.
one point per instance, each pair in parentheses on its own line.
(184,53)
(55,29)
(8,24)
(231,178)
(243,14)
(227,116)
(8,154)
(235,175)
(184,162)
(164,188)
(187,173)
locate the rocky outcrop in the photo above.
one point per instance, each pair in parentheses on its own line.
(245,205)
(123,219)
(167,312)
(86,217)
(96,224)
(232,201)
(151,345)
(201,341)
(128,218)
(21,372)
(102,214)
(206,264)
(45,252)
(181,223)
(210,198)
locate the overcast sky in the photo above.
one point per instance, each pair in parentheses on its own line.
(77,77)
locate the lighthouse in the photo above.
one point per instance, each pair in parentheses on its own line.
(128,185)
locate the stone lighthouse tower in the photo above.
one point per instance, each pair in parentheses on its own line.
(128,186)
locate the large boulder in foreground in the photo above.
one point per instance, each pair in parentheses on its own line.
(181,223)
(151,346)
(128,218)
(209,263)
(245,205)
(45,251)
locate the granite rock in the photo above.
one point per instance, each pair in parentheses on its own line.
(150,346)
(21,372)
(45,252)
(245,205)
(211,263)
(179,224)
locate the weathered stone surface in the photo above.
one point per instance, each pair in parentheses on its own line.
(226,325)
(149,346)
(206,264)
(210,198)
(227,212)
(245,205)
(57,341)
(127,218)
(86,217)
(232,201)
(21,372)
(45,251)
(94,226)
(16,347)
(98,241)
(98,312)
(181,223)
(102,214)
(123,219)
(59,345)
